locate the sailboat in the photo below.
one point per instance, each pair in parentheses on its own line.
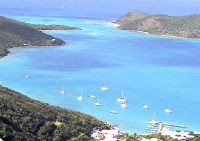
(92,96)
(122,99)
(27,76)
(124,105)
(113,112)
(62,91)
(63,6)
(168,110)
(146,106)
(104,89)
(80,98)
(97,103)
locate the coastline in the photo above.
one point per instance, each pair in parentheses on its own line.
(143,32)
(54,46)
(58,30)
(8,52)
(113,24)
(167,36)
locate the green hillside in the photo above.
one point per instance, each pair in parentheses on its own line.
(14,34)
(180,26)
(24,119)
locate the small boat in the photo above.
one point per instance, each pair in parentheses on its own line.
(27,76)
(146,106)
(80,98)
(122,99)
(64,6)
(62,91)
(104,89)
(113,112)
(92,96)
(168,110)
(97,103)
(124,105)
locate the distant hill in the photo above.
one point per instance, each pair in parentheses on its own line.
(14,34)
(51,27)
(24,119)
(179,26)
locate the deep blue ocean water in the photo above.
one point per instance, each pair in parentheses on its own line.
(147,67)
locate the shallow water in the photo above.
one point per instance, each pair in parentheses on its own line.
(147,67)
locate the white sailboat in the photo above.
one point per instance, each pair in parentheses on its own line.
(104,89)
(80,98)
(27,76)
(124,105)
(97,103)
(62,91)
(113,112)
(146,106)
(92,96)
(122,99)
(64,6)
(168,110)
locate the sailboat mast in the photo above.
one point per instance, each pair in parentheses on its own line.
(122,93)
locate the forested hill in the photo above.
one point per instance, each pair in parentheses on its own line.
(24,119)
(14,34)
(179,26)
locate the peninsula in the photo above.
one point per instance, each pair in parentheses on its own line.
(174,26)
(15,34)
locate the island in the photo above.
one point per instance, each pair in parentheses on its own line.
(14,34)
(174,26)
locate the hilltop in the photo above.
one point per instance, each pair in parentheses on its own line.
(178,26)
(22,119)
(14,34)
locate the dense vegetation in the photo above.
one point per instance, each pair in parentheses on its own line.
(24,119)
(179,26)
(135,137)
(14,34)
(52,27)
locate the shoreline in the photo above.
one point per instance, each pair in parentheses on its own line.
(59,30)
(63,45)
(113,24)
(30,46)
(147,33)
(167,36)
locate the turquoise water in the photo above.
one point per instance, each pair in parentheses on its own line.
(147,67)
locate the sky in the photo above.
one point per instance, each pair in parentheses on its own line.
(99,8)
